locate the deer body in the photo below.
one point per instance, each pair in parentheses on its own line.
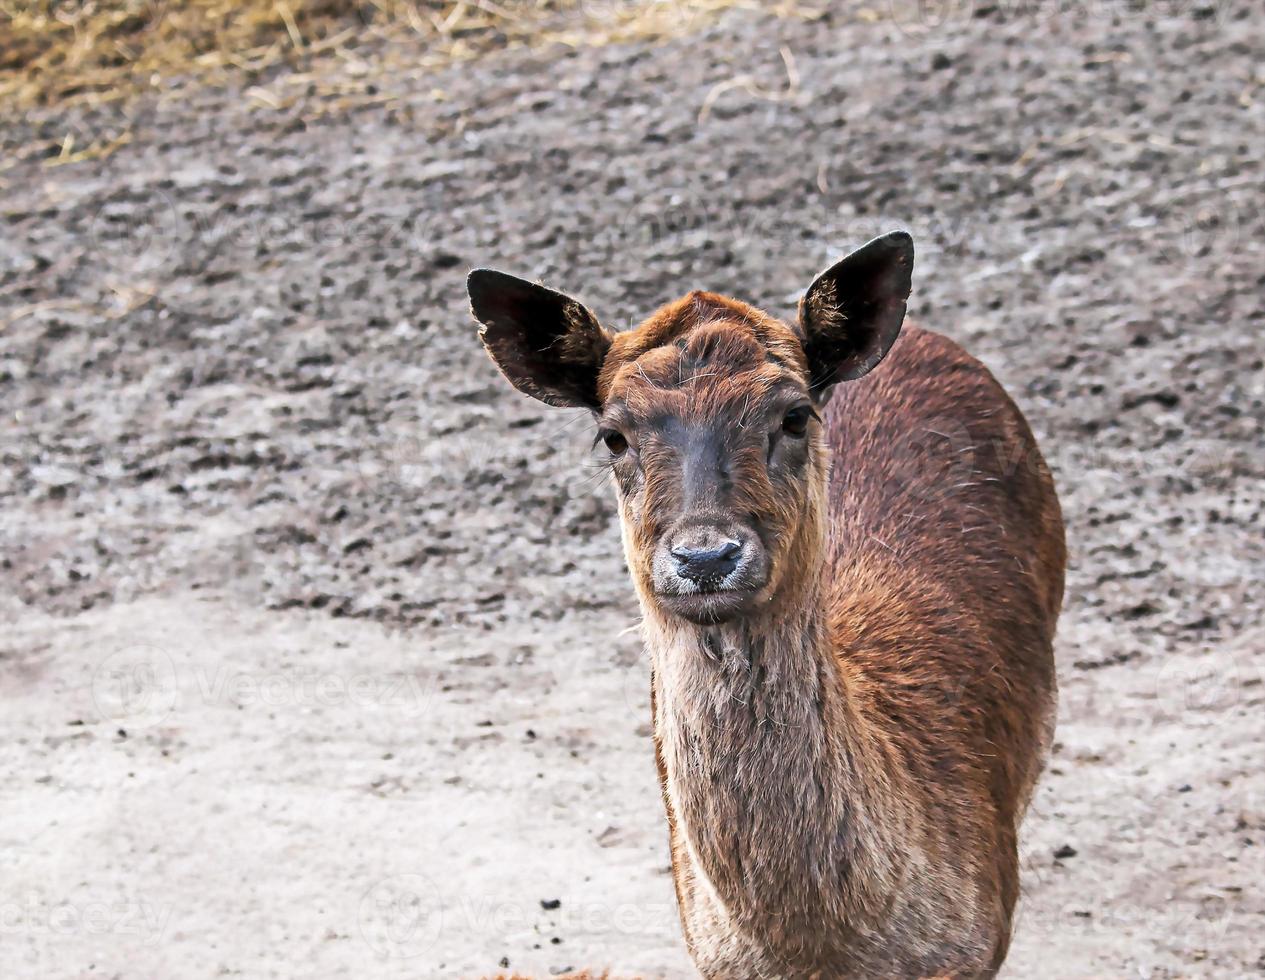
(844,783)
(849,604)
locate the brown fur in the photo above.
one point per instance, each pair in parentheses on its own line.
(843,787)
(845,765)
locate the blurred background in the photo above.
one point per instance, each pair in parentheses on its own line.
(319,656)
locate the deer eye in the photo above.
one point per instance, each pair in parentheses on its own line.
(795,422)
(614,441)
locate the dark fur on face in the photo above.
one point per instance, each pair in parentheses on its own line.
(700,398)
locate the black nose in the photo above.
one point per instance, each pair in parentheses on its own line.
(712,563)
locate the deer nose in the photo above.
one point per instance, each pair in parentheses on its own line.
(711,560)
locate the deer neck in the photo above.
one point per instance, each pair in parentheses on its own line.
(772,786)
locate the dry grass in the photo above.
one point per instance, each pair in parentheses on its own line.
(62,60)
(58,53)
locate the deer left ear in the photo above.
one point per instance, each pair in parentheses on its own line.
(546,344)
(852,313)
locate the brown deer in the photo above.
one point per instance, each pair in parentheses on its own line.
(849,583)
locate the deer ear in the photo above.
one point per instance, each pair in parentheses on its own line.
(852,313)
(545,343)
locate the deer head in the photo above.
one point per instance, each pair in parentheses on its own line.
(708,417)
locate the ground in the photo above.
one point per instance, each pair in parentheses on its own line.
(320,657)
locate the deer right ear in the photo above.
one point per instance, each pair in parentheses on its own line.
(546,344)
(852,313)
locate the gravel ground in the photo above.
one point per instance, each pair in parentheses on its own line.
(316,657)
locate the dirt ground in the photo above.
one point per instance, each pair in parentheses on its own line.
(319,656)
